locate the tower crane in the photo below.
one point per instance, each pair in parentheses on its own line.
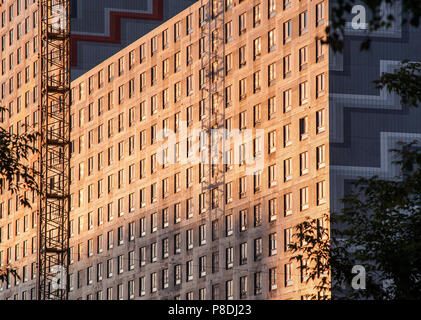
(54,149)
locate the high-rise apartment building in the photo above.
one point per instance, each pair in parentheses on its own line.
(146,222)
(141,223)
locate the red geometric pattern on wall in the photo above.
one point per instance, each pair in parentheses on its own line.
(115,28)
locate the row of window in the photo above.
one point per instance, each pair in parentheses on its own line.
(118,292)
(129,88)
(14,10)
(21,250)
(149,253)
(272,177)
(15,58)
(151,250)
(177,33)
(117,125)
(87,114)
(185,149)
(257,45)
(244,219)
(286,26)
(287,29)
(320,195)
(20,225)
(29,272)
(12,36)
(157,281)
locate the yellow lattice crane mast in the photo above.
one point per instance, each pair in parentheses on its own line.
(54,149)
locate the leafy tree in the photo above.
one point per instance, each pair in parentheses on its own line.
(405,82)
(15,174)
(6,272)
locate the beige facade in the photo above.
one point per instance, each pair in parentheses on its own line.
(139,227)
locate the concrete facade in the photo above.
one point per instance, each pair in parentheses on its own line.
(130,212)
(366,122)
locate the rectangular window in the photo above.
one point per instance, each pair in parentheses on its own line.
(303,23)
(320,121)
(288,274)
(271,8)
(273,209)
(272,279)
(243,220)
(142,52)
(320,85)
(321,192)
(287,26)
(256,15)
(257,48)
(272,175)
(154,75)
(256,81)
(319,50)
(228,65)
(142,81)
(164,39)
(242,56)
(154,45)
(303,58)
(271,40)
(320,14)
(242,89)
(257,215)
(202,234)
(177,61)
(303,128)
(189,84)
(242,187)
(287,169)
(303,198)
(320,156)
(303,163)
(271,73)
(242,23)
(228,31)
(303,92)
(229,225)
(189,23)
(271,108)
(287,100)
(287,66)
(202,15)
(287,204)
(229,257)
(189,55)
(273,247)
(258,285)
